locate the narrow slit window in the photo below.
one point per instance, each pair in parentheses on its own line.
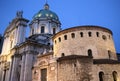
(109,54)
(90,52)
(32,31)
(81,34)
(97,33)
(65,37)
(54,30)
(89,34)
(55,41)
(109,36)
(115,76)
(73,35)
(59,39)
(42,29)
(62,55)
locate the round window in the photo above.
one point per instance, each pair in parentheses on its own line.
(104,37)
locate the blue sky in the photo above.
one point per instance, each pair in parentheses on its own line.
(71,13)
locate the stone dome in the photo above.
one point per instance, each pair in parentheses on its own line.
(46,14)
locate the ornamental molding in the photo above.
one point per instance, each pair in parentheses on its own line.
(29,52)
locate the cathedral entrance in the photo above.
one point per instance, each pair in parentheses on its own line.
(44,74)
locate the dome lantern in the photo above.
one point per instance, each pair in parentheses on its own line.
(46,6)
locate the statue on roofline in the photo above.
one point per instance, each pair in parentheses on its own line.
(19,14)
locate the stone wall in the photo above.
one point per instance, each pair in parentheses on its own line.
(107,69)
(74,68)
(45,62)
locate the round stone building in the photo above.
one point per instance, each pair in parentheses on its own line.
(92,41)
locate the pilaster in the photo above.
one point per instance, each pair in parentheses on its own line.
(28,66)
(0,71)
(4,71)
(14,73)
(22,67)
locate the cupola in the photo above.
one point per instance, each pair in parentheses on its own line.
(45,21)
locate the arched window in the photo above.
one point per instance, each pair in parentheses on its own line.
(101,76)
(81,34)
(59,39)
(65,37)
(104,37)
(48,44)
(73,35)
(54,30)
(109,54)
(32,31)
(62,55)
(114,76)
(55,41)
(97,33)
(89,34)
(109,36)
(42,29)
(90,52)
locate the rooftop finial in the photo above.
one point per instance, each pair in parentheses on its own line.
(46,6)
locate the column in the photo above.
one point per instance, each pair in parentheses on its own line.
(30,27)
(20,33)
(24,32)
(22,68)
(14,68)
(36,28)
(17,36)
(49,27)
(3,76)
(4,48)
(9,73)
(28,67)
(0,73)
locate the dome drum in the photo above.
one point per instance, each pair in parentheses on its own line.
(45,21)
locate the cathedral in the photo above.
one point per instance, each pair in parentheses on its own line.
(81,53)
